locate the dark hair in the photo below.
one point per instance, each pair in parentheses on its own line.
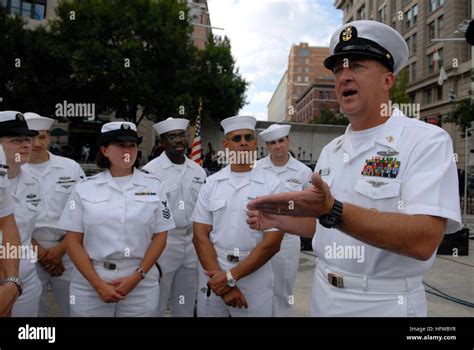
(104,163)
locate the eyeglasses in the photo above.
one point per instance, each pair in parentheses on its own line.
(274,142)
(247,137)
(174,138)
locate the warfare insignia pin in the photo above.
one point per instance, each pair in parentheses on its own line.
(388,153)
(377,184)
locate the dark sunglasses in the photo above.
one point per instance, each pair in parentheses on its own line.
(274,142)
(247,137)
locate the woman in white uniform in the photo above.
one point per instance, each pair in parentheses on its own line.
(116,230)
(17,142)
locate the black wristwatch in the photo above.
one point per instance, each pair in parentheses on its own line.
(333,219)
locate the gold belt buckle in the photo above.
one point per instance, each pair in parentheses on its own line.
(336,280)
(232,258)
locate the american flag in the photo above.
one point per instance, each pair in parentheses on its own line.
(196,150)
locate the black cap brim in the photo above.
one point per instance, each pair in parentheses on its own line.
(331,60)
(19,131)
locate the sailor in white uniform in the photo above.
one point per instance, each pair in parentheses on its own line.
(11,286)
(236,276)
(17,140)
(57,176)
(384,194)
(293,176)
(116,227)
(181,179)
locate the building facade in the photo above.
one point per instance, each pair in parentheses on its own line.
(305,63)
(276,108)
(319,95)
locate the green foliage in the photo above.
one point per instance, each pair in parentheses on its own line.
(462,115)
(329,118)
(122,56)
(398,93)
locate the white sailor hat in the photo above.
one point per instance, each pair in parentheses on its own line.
(171,124)
(13,123)
(370,39)
(37,122)
(274,132)
(238,122)
(118,131)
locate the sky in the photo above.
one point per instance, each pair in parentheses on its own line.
(261,34)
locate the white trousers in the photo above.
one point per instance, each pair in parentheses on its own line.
(178,284)
(140,302)
(257,289)
(285,266)
(59,285)
(27,305)
(366,296)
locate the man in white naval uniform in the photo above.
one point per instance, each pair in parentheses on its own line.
(11,285)
(57,176)
(17,140)
(236,277)
(181,181)
(384,194)
(293,176)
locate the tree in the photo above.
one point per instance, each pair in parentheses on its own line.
(329,118)
(462,115)
(398,93)
(217,81)
(125,56)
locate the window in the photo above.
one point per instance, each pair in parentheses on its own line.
(298,78)
(306,79)
(412,72)
(439,27)
(40,11)
(382,15)
(306,69)
(441,58)
(428,96)
(408,19)
(414,11)
(430,64)
(439,93)
(434,5)
(361,13)
(307,61)
(35,9)
(303,52)
(298,69)
(431,32)
(27,9)
(15,7)
(407,40)
(413,43)
(321,95)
